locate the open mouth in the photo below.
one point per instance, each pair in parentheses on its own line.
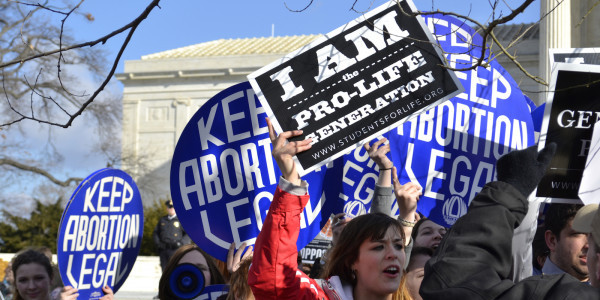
(392,270)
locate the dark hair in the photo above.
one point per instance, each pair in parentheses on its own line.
(415,230)
(345,252)
(558,215)
(539,247)
(417,251)
(164,292)
(27,257)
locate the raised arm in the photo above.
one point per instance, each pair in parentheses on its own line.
(274,272)
(383,196)
(406,195)
(474,259)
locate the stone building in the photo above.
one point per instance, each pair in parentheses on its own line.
(162,91)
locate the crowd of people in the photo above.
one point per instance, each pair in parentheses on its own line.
(486,254)
(489,253)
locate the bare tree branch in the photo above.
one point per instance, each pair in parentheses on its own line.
(39,171)
(131,27)
(299,10)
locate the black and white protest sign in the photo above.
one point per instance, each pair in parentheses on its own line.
(355,82)
(572,109)
(589,190)
(315,249)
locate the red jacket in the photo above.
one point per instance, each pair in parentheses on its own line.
(274,271)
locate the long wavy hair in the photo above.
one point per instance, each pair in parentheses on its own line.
(238,285)
(346,251)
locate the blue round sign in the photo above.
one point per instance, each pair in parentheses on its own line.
(213,292)
(223,175)
(100,233)
(451,150)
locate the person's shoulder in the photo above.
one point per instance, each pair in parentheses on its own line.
(559,286)
(162,220)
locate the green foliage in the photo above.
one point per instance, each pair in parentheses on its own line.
(40,229)
(152,214)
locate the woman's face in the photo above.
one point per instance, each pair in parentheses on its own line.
(414,277)
(430,235)
(196,258)
(32,282)
(378,268)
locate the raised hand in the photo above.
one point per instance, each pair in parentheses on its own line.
(524,169)
(407,196)
(338,223)
(377,152)
(284,151)
(234,260)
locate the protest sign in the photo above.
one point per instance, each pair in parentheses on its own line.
(451,149)
(572,109)
(315,249)
(355,82)
(212,292)
(223,175)
(100,233)
(589,191)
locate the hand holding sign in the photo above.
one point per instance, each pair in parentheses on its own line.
(355,83)
(108,293)
(69,292)
(223,174)
(284,151)
(523,169)
(100,235)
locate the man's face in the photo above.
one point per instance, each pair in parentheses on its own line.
(593,259)
(170,210)
(569,252)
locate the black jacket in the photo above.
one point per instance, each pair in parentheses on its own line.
(169,234)
(474,258)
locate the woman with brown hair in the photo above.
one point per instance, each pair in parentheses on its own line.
(33,275)
(192,254)
(366,263)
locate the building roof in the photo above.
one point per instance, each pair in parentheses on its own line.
(530,31)
(229,47)
(287,44)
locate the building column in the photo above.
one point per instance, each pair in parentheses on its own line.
(585,16)
(555,32)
